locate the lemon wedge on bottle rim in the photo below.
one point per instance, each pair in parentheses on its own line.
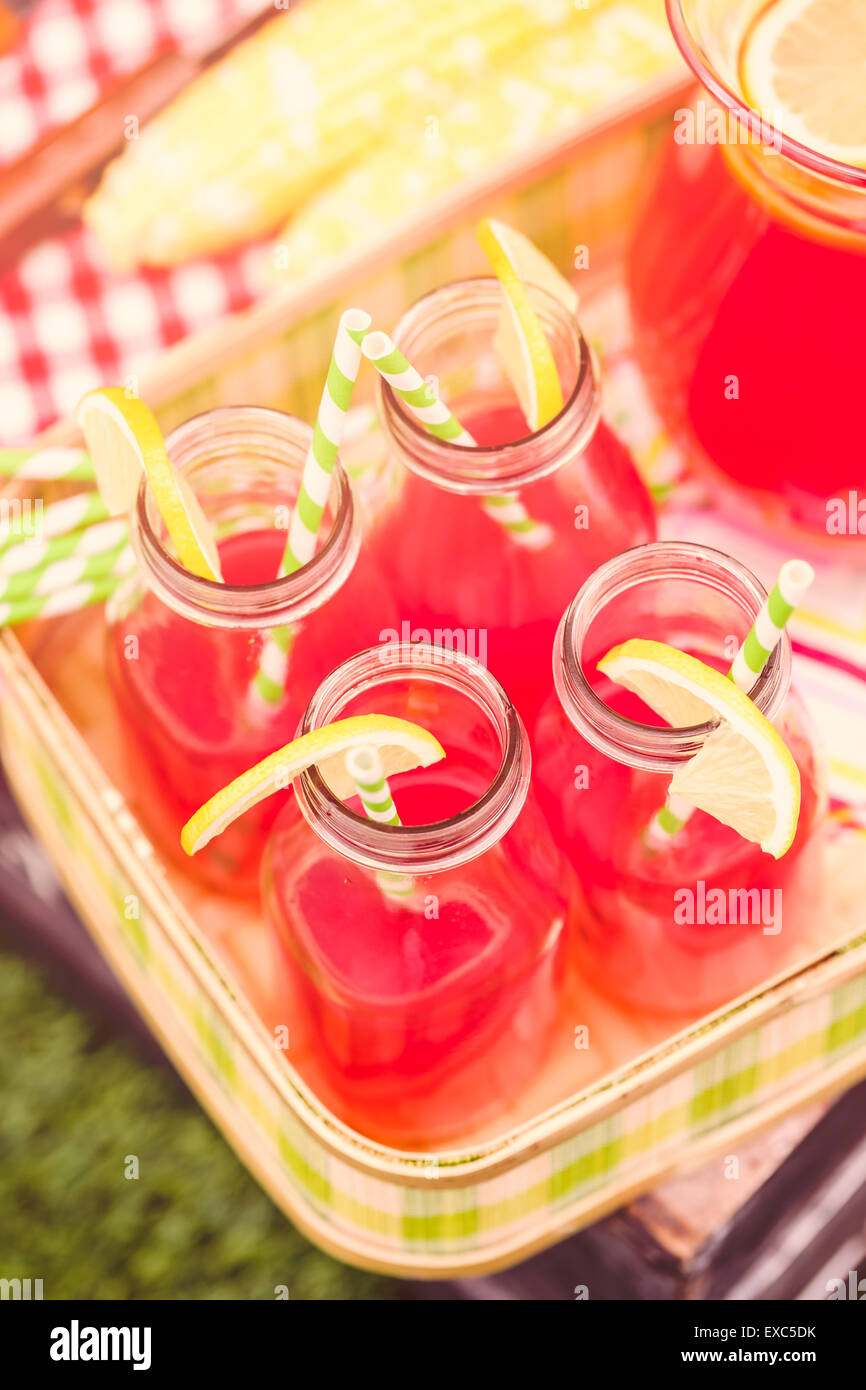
(744,775)
(520,341)
(803,68)
(401,745)
(124,441)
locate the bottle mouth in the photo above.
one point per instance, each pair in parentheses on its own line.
(700,574)
(724,84)
(459,321)
(441,844)
(244,465)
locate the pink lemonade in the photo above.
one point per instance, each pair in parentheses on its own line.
(747,279)
(183,654)
(424,962)
(457,574)
(687,927)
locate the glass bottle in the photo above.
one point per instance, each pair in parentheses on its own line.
(458,574)
(185,654)
(424,961)
(657,934)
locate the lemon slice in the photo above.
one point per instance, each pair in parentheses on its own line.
(803,68)
(124,439)
(744,774)
(520,342)
(400,744)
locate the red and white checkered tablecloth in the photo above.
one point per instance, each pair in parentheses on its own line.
(67,323)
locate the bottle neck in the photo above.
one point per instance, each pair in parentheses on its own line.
(821,197)
(420,849)
(450,336)
(693,598)
(244,465)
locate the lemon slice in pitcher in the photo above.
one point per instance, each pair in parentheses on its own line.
(401,745)
(744,775)
(520,341)
(803,68)
(124,441)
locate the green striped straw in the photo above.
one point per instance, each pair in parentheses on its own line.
(62,574)
(364,766)
(47,464)
(98,539)
(60,518)
(505,509)
(269,682)
(793,582)
(68,600)
(327,437)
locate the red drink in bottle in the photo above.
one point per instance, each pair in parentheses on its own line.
(457,573)
(185,655)
(603,765)
(425,960)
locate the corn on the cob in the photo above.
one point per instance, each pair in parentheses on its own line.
(296,103)
(550,84)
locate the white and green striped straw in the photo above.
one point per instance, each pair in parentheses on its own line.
(47,465)
(98,539)
(364,766)
(505,509)
(62,574)
(327,437)
(793,582)
(68,600)
(269,682)
(60,518)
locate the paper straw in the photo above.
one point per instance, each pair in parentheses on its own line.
(93,540)
(62,574)
(269,682)
(64,601)
(794,580)
(364,766)
(505,509)
(59,518)
(327,437)
(47,464)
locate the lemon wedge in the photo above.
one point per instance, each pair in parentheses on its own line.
(744,774)
(401,746)
(520,341)
(124,440)
(803,68)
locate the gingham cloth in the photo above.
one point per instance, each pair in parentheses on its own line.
(66,322)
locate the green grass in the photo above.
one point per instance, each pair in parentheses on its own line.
(74,1103)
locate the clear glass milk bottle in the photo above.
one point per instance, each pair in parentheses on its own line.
(210,677)
(424,962)
(603,763)
(456,566)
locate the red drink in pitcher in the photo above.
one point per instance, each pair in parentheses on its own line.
(186,656)
(604,762)
(747,272)
(425,960)
(458,574)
